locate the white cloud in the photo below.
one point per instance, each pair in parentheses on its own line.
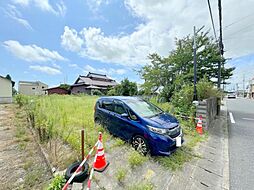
(45,69)
(22,2)
(108,71)
(95,4)
(244,71)
(32,53)
(44,5)
(73,65)
(70,40)
(14,14)
(162,22)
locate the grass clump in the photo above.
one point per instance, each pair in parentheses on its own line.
(177,159)
(57,183)
(135,159)
(33,177)
(118,142)
(121,174)
(142,186)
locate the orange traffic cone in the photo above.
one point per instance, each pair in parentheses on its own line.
(199,127)
(100,164)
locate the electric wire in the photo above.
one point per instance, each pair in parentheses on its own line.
(211,15)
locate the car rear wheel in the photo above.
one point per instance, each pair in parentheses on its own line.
(139,144)
(97,121)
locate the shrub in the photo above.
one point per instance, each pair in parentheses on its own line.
(21,100)
(182,100)
(111,92)
(97,93)
(206,89)
(57,183)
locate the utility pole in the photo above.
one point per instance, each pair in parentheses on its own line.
(236,89)
(243,85)
(220,44)
(195,64)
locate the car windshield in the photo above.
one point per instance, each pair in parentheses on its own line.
(143,108)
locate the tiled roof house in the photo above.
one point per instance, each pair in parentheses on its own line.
(92,81)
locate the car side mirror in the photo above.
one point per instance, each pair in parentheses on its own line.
(124,115)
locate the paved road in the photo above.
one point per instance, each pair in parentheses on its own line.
(241,143)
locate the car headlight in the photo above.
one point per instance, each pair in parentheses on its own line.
(177,129)
(157,130)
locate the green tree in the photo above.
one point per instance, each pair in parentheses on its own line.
(125,88)
(172,72)
(8,77)
(65,86)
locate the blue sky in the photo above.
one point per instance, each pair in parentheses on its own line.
(54,41)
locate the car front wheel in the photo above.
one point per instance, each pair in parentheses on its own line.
(139,144)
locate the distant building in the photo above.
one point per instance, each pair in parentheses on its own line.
(92,81)
(56,90)
(32,88)
(6,90)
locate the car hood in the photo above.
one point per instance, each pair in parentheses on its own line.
(163,120)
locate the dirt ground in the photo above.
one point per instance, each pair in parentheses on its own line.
(21,164)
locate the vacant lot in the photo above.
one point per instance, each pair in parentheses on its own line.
(61,118)
(21,166)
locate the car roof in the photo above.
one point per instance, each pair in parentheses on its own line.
(122,98)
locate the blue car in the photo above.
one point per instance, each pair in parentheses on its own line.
(144,125)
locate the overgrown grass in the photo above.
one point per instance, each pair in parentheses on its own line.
(142,186)
(33,177)
(118,142)
(63,117)
(135,159)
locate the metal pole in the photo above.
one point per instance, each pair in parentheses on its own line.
(82,144)
(220,44)
(243,85)
(195,64)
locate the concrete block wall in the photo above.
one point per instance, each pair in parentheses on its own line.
(208,109)
(5,100)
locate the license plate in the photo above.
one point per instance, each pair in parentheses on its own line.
(178,141)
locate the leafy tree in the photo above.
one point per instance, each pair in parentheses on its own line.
(8,77)
(65,86)
(172,72)
(125,88)
(14,91)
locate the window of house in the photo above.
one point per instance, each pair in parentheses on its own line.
(43,87)
(33,88)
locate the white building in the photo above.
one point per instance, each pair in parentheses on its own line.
(32,88)
(5,90)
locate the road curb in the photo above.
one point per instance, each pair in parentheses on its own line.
(225,184)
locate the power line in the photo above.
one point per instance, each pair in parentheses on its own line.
(237,21)
(211,15)
(242,29)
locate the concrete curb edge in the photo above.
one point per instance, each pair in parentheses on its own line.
(225,184)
